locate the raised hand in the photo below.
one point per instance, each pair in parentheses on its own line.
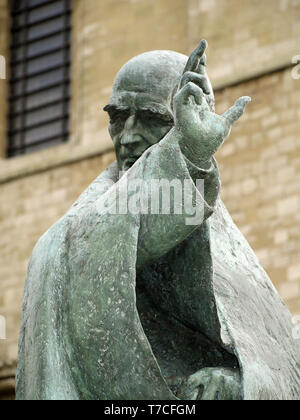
(195,71)
(201,131)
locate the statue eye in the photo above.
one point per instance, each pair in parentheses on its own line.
(156,117)
(117,116)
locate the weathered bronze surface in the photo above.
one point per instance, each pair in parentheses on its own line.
(136,305)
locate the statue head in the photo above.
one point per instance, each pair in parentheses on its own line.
(140,107)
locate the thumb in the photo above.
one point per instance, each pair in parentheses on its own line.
(237,110)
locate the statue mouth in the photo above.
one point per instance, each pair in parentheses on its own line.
(129,161)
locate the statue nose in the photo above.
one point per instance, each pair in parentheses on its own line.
(130,133)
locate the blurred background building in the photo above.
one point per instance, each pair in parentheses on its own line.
(58,62)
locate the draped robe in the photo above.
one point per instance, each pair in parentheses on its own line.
(115,303)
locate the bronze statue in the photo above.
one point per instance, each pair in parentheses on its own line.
(147,305)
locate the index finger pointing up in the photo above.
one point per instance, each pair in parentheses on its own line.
(195,57)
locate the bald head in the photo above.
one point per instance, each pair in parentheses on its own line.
(153,75)
(140,107)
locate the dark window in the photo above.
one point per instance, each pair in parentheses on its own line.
(40,74)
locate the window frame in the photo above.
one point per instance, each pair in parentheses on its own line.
(81,144)
(23,137)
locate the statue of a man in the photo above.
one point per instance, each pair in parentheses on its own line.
(145,305)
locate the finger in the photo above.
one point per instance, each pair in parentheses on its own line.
(192,387)
(196,56)
(211,390)
(223,393)
(190,89)
(187,392)
(199,378)
(201,389)
(228,389)
(201,69)
(237,110)
(174,380)
(198,79)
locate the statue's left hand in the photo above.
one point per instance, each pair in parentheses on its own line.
(200,130)
(211,384)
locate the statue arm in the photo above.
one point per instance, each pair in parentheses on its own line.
(187,152)
(198,134)
(211,176)
(159,233)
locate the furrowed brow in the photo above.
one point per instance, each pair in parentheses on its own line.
(114,108)
(162,111)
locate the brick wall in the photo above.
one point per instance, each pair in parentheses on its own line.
(247,37)
(260,170)
(29,206)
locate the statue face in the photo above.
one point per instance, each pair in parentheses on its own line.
(140,106)
(136,125)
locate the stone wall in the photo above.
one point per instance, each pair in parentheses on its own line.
(251,48)
(260,171)
(4,37)
(29,206)
(248,37)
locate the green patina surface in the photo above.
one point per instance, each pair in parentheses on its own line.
(146,306)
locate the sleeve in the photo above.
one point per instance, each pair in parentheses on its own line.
(211,176)
(159,233)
